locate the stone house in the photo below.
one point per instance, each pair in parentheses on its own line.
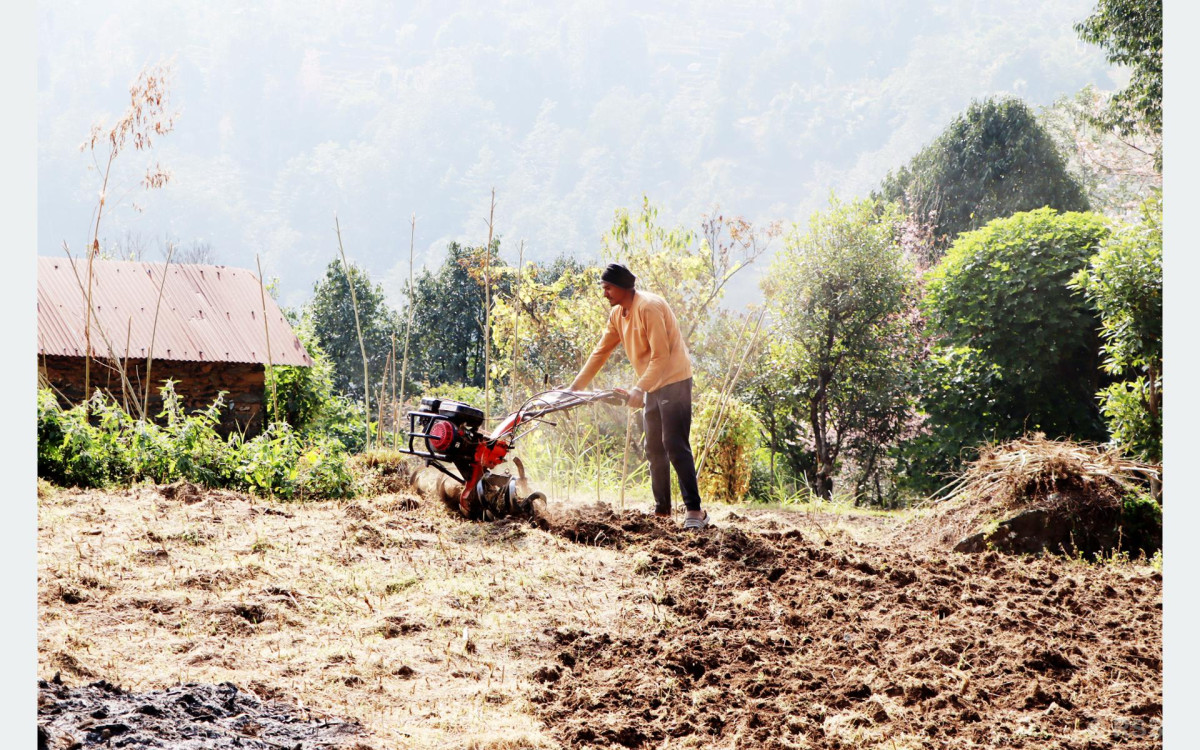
(207,333)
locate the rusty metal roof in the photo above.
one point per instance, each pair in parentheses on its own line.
(208,313)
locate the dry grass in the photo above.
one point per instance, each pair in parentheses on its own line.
(1033,467)
(1033,471)
(424,627)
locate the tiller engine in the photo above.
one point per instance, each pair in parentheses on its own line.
(447,435)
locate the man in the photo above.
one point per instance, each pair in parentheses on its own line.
(644,323)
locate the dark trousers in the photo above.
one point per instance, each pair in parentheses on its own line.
(667,419)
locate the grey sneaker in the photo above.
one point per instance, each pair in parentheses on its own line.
(696,523)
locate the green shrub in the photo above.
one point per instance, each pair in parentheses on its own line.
(1016,348)
(102,446)
(725,474)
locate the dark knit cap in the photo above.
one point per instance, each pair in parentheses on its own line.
(618,275)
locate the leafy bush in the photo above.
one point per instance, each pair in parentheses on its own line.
(101,446)
(1124,282)
(1017,350)
(725,474)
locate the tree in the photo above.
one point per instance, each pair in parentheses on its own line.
(688,271)
(1016,349)
(1117,171)
(992,161)
(332,315)
(1124,283)
(448,317)
(842,348)
(557,314)
(1130,33)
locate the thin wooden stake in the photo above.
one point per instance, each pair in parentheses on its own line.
(262,293)
(357,327)
(625,458)
(408,327)
(487,313)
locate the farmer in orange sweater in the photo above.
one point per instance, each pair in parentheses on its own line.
(644,323)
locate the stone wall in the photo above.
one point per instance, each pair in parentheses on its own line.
(198,384)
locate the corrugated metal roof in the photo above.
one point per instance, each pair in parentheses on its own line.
(208,313)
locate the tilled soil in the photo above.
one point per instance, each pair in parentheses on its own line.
(185,717)
(772,640)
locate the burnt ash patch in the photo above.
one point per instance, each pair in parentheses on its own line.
(186,717)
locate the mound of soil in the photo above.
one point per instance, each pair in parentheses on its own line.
(1033,495)
(772,641)
(186,717)
(599,525)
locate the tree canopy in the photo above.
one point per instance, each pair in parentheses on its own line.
(332,314)
(842,348)
(1130,33)
(992,161)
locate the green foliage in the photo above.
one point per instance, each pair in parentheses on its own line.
(725,474)
(553,316)
(1141,524)
(992,161)
(331,312)
(843,348)
(448,316)
(687,269)
(113,448)
(1124,282)
(1117,171)
(1130,33)
(1018,351)
(303,393)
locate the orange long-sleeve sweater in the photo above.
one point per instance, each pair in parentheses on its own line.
(652,341)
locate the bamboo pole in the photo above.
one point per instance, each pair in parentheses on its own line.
(625,457)
(357,327)
(408,327)
(708,431)
(516,356)
(125,366)
(487,313)
(99,328)
(153,331)
(395,413)
(262,293)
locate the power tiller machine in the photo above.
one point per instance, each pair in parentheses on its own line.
(447,435)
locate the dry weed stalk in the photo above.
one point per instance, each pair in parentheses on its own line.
(144,119)
(262,293)
(357,327)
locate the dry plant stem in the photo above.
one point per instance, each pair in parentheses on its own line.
(487,313)
(708,432)
(625,457)
(262,293)
(408,325)
(154,330)
(724,399)
(99,329)
(357,327)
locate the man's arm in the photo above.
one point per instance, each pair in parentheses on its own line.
(599,356)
